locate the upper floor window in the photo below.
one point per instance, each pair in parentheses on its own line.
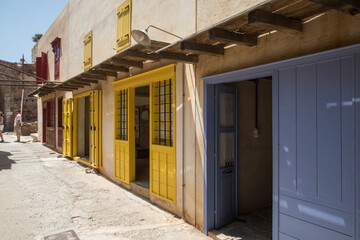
(56,49)
(42,67)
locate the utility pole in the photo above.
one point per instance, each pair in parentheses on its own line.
(22,91)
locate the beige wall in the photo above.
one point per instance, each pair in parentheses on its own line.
(59,28)
(182,17)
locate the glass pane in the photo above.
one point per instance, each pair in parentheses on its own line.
(226,109)
(226,152)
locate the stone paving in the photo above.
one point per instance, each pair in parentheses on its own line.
(42,194)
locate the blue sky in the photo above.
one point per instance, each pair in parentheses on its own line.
(20,20)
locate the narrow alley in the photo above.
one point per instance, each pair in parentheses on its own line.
(43,194)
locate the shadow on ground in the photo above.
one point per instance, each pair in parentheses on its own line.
(5,162)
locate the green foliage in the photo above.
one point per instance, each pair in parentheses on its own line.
(36,37)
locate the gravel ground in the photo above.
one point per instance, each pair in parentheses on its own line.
(42,194)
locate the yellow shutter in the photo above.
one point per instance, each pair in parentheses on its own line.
(67,130)
(123,25)
(162,149)
(124,143)
(88,50)
(95,128)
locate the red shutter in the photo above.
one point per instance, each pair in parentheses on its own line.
(56,50)
(44,66)
(38,69)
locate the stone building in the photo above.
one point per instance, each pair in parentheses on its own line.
(10,96)
(232,110)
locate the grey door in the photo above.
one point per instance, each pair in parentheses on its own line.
(225,151)
(317,150)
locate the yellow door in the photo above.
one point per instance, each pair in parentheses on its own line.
(124,144)
(162,148)
(67,130)
(95,129)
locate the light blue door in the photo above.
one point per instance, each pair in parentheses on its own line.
(226,155)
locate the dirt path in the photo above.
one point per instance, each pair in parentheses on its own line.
(41,195)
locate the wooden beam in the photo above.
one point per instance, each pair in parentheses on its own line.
(126,63)
(87,80)
(65,88)
(223,35)
(263,18)
(113,68)
(351,7)
(179,57)
(81,82)
(142,55)
(201,48)
(94,76)
(73,84)
(104,72)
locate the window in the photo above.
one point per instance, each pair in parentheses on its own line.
(123,25)
(121,114)
(163,117)
(88,50)
(56,50)
(50,114)
(59,102)
(41,67)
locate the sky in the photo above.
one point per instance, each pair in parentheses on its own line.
(20,20)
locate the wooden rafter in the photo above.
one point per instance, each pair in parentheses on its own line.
(179,57)
(113,68)
(142,55)
(104,72)
(223,35)
(94,76)
(201,48)
(351,7)
(260,18)
(126,63)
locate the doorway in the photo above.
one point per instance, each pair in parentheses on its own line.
(243,165)
(83,127)
(142,136)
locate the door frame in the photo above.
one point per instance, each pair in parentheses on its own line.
(260,71)
(75,128)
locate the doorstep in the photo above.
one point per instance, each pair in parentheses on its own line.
(140,190)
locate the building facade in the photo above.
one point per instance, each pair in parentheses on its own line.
(252,108)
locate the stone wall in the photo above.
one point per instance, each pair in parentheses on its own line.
(10,96)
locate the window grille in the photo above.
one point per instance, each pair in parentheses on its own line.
(122,114)
(163,113)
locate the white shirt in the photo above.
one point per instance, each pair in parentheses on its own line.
(17,118)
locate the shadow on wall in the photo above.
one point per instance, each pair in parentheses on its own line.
(5,162)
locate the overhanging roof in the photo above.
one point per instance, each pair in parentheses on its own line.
(243,28)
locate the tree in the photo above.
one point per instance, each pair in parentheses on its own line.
(36,37)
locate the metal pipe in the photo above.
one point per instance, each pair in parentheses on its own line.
(183,143)
(22,91)
(146,29)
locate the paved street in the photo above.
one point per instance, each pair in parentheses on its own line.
(42,194)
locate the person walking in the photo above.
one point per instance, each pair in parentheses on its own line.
(1,126)
(17,125)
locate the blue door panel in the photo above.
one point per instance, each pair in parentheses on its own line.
(347,131)
(326,217)
(307,231)
(287,131)
(306,130)
(329,131)
(283,236)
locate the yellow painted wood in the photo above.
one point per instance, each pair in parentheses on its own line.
(124,155)
(67,130)
(88,50)
(94,131)
(123,38)
(162,158)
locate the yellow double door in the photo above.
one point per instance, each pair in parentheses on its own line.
(71,126)
(162,144)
